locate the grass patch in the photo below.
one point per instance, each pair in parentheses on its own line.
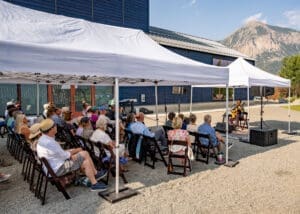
(294,107)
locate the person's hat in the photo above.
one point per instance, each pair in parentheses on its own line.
(10,103)
(34,130)
(65,109)
(46,106)
(102,108)
(46,125)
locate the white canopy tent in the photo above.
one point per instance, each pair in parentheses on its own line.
(37,47)
(243,74)
(38,42)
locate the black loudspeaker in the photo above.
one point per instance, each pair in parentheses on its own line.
(263,137)
(221,127)
(266,91)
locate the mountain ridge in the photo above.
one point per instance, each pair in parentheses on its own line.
(267,44)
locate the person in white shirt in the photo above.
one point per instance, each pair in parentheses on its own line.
(65,161)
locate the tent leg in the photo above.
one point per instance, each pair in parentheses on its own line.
(118,194)
(229,162)
(191,101)
(289,132)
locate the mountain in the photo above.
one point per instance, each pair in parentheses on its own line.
(267,44)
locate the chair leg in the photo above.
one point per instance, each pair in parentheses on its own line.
(184,167)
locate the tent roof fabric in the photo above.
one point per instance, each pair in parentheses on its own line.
(59,48)
(243,74)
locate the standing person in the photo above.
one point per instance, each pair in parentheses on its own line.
(206,128)
(65,161)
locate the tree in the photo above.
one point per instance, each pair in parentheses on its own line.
(291,69)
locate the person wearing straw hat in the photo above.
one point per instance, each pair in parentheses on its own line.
(65,161)
(34,135)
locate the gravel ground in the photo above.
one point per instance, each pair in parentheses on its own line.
(267,180)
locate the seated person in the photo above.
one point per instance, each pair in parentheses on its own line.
(99,135)
(185,121)
(215,137)
(171,117)
(192,126)
(237,112)
(65,161)
(34,136)
(140,128)
(21,125)
(179,134)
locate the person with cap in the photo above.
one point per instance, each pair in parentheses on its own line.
(34,135)
(65,161)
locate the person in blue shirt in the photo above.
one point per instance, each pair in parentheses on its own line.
(206,128)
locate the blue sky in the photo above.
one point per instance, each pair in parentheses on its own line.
(217,19)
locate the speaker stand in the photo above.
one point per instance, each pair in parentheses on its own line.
(290,133)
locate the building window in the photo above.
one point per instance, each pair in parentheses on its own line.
(29,98)
(82,94)
(61,95)
(8,92)
(103,95)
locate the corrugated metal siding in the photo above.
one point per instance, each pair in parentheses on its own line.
(108,12)
(137,14)
(78,9)
(42,5)
(126,13)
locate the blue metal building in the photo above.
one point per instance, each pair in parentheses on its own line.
(132,14)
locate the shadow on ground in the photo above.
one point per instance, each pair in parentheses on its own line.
(15,196)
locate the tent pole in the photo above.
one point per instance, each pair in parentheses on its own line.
(289,111)
(191,102)
(227,123)
(117,132)
(156,103)
(233,95)
(228,162)
(248,109)
(37,99)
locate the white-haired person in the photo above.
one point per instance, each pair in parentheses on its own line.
(65,161)
(99,135)
(206,128)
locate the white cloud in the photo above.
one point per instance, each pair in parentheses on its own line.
(192,2)
(256,17)
(189,3)
(293,18)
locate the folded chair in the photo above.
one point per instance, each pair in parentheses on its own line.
(204,150)
(181,157)
(59,181)
(151,149)
(109,163)
(243,120)
(134,145)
